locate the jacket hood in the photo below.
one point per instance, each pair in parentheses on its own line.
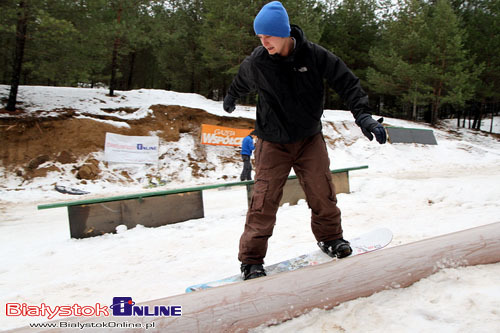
(297,33)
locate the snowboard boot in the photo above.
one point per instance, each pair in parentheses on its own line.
(252,271)
(339,248)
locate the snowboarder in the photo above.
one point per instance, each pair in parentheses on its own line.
(288,71)
(247,148)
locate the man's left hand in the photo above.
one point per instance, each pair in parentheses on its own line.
(377,129)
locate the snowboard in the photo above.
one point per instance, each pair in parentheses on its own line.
(367,242)
(69,190)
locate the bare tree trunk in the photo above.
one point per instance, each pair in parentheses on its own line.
(436,103)
(480,115)
(112,84)
(21,30)
(470,120)
(114,58)
(492,117)
(414,111)
(131,71)
(476,122)
(192,88)
(434,112)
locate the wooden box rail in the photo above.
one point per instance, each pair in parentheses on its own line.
(94,217)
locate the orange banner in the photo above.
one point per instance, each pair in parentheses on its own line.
(222,136)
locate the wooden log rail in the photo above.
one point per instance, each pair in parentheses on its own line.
(269,300)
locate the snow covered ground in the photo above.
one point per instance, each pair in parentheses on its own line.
(417,191)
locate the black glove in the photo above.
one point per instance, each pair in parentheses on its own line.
(370,126)
(229,103)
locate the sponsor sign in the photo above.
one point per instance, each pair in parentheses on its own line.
(131,149)
(222,136)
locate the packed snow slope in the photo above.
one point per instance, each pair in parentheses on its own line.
(417,191)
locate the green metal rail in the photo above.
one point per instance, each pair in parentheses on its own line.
(410,128)
(167,192)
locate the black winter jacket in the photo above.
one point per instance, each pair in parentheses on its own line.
(291,90)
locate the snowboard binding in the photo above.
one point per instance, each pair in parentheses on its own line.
(337,248)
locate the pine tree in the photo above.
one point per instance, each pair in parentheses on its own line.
(92,22)
(349,31)
(23,14)
(52,54)
(399,69)
(8,21)
(422,60)
(452,74)
(308,15)
(482,21)
(45,45)
(128,34)
(177,51)
(227,38)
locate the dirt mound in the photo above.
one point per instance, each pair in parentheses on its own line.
(31,140)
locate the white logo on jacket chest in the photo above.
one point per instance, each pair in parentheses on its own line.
(301,69)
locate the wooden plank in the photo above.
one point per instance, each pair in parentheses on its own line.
(166,192)
(273,299)
(341,182)
(293,192)
(100,218)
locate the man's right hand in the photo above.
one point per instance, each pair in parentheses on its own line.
(229,103)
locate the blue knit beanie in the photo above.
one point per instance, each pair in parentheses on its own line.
(272,20)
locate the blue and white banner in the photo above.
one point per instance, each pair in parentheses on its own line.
(131,149)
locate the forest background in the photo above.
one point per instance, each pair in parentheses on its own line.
(418,59)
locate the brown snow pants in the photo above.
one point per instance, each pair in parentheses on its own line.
(273,162)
